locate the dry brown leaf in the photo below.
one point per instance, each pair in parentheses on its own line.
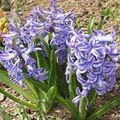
(2,13)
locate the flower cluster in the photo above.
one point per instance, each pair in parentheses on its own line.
(16,57)
(93,59)
(55,22)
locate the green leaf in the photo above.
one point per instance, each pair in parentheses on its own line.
(42,96)
(72,84)
(43,107)
(100,24)
(42,102)
(92,97)
(77,24)
(46,46)
(52,72)
(106,13)
(5,116)
(21,113)
(104,108)
(70,106)
(41,60)
(90,25)
(27,94)
(83,107)
(31,88)
(1,110)
(50,36)
(62,85)
(51,94)
(30,105)
(39,85)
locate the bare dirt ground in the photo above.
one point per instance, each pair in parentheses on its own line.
(82,9)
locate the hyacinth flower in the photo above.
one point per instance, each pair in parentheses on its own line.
(16,56)
(55,22)
(94,59)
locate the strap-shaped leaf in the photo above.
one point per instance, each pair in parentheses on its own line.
(83,107)
(91,100)
(72,84)
(27,94)
(104,108)
(39,85)
(41,60)
(31,88)
(51,94)
(50,36)
(62,85)
(52,72)
(70,106)
(46,46)
(92,97)
(30,105)
(21,112)
(41,101)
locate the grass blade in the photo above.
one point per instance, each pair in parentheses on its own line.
(90,25)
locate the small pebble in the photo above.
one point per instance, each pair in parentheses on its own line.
(2,97)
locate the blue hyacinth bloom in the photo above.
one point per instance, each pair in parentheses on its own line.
(16,56)
(94,58)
